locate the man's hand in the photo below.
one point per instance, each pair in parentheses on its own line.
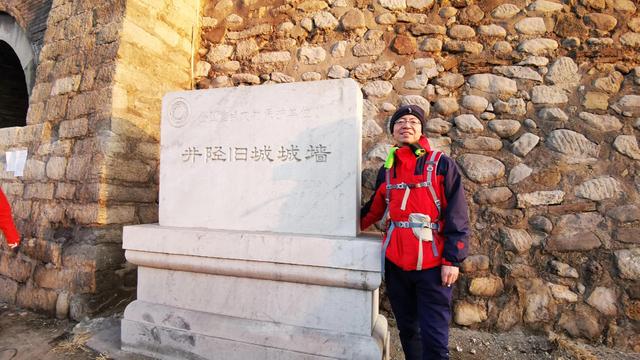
(449,275)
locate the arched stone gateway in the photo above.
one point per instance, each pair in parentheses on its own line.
(17,64)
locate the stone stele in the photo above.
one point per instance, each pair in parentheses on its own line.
(257,254)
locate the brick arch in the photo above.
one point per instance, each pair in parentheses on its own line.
(15,36)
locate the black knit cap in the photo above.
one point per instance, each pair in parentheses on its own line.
(414,110)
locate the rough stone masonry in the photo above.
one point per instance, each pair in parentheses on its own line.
(538,101)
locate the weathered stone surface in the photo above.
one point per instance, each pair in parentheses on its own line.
(466,314)
(312,5)
(564,73)
(325,20)
(486,286)
(369,47)
(545,6)
(352,20)
(602,22)
(576,232)
(475,103)
(468,123)
(493,84)
(311,55)
(471,14)
(437,126)
(492,195)
(480,168)
(628,262)
(272,57)
(246,49)
(568,25)
(515,240)
(519,173)
(492,30)
(219,53)
(393,4)
(624,6)
(420,4)
(504,128)
(525,144)
(540,46)
(482,143)
(416,100)
(631,39)
(563,269)
(475,263)
(35,298)
(370,71)
(625,213)
(377,88)
(539,303)
(628,105)
(572,144)
(584,323)
(627,145)
(371,129)
(446,106)
(461,32)
(281,78)
(518,72)
(428,29)
(431,45)
(609,84)
(509,315)
(595,100)
(538,198)
(601,122)
(553,114)
(604,299)
(505,11)
(628,235)
(543,94)
(339,49)
(531,26)
(404,45)
(599,189)
(450,80)
(462,46)
(337,72)
(562,293)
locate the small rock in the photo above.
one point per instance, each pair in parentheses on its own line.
(480,168)
(393,4)
(369,48)
(387,18)
(461,32)
(601,122)
(545,6)
(339,49)
(311,55)
(610,84)
(515,240)
(337,72)
(492,30)
(468,314)
(538,46)
(468,123)
(518,72)
(325,20)
(625,213)
(420,5)
(377,88)
(494,84)
(531,26)
(572,144)
(311,76)
(628,262)
(447,106)
(404,45)
(553,114)
(604,299)
(493,195)
(431,45)
(519,173)
(627,145)
(353,19)
(602,22)
(475,103)
(437,126)
(562,293)
(450,80)
(538,198)
(595,100)
(482,143)
(504,128)
(563,269)
(525,144)
(543,94)
(505,11)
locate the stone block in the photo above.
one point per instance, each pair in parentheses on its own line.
(65,190)
(56,167)
(35,298)
(78,167)
(8,290)
(73,128)
(39,191)
(127,170)
(43,250)
(77,280)
(15,267)
(34,170)
(466,314)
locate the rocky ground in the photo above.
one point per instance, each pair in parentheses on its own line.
(27,335)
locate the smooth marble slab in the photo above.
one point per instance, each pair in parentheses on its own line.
(276,158)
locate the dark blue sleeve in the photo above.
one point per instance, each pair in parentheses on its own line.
(456,215)
(379,180)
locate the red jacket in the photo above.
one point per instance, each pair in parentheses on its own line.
(451,239)
(6,222)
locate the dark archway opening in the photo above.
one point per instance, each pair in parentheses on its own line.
(14,97)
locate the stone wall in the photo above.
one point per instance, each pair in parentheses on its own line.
(539,103)
(31,15)
(92,140)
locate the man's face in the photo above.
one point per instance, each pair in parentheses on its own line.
(407,130)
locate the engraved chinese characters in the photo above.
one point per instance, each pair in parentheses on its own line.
(281,158)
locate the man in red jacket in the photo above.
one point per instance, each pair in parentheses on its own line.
(419,196)
(6,223)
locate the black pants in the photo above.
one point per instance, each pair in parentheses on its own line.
(422,307)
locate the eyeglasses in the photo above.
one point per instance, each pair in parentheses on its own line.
(402,122)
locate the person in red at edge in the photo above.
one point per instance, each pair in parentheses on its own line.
(422,253)
(6,224)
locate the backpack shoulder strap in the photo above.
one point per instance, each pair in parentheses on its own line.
(432,178)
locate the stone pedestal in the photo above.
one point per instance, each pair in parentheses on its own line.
(257,254)
(209,294)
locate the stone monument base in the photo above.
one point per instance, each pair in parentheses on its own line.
(210,294)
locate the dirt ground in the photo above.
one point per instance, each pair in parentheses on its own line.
(27,335)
